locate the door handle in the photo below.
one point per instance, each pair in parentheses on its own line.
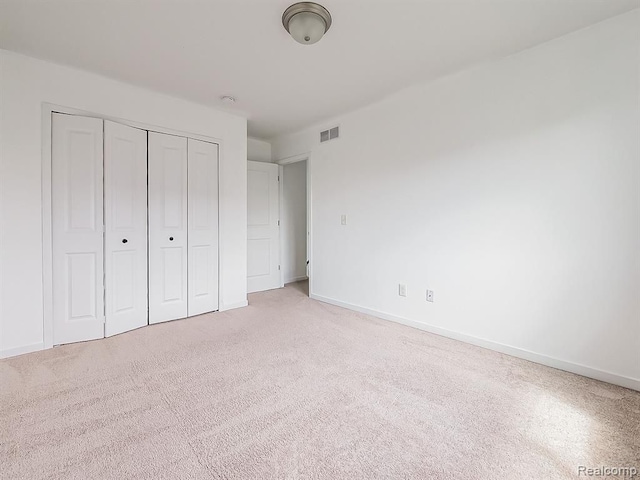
(171,239)
(124,240)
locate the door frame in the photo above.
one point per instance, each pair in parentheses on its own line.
(303,157)
(47,238)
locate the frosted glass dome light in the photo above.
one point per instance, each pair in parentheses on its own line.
(306,28)
(306,22)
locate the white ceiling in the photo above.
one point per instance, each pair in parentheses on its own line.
(199,49)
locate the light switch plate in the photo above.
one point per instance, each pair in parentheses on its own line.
(343,219)
(402,290)
(429,295)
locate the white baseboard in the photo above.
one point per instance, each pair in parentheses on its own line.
(12,352)
(224,308)
(628,382)
(296,279)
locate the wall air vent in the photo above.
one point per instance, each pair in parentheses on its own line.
(330,134)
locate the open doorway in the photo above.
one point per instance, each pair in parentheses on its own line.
(294,229)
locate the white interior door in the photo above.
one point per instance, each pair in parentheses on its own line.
(77,228)
(263,243)
(203,227)
(167,227)
(125,196)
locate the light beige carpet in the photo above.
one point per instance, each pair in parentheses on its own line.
(291,388)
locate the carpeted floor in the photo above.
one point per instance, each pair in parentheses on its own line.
(292,388)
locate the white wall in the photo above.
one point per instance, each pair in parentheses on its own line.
(26,83)
(258,150)
(511,190)
(294,221)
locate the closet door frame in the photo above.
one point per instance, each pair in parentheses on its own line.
(47,237)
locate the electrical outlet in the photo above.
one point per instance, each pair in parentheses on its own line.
(402,290)
(429,295)
(343,219)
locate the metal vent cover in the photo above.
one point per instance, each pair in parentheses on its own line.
(330,134)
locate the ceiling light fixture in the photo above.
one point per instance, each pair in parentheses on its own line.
(306,22)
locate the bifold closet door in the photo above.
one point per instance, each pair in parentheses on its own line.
(76,227)
(203,227)
(125,208)
(167,170)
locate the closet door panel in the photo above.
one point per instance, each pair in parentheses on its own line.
(167,227)
(77,223)
(203,227)
(125,150)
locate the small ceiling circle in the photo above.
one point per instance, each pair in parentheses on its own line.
(306,22)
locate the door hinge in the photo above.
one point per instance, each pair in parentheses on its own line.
(278,177)
(278,267)
(278,222)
